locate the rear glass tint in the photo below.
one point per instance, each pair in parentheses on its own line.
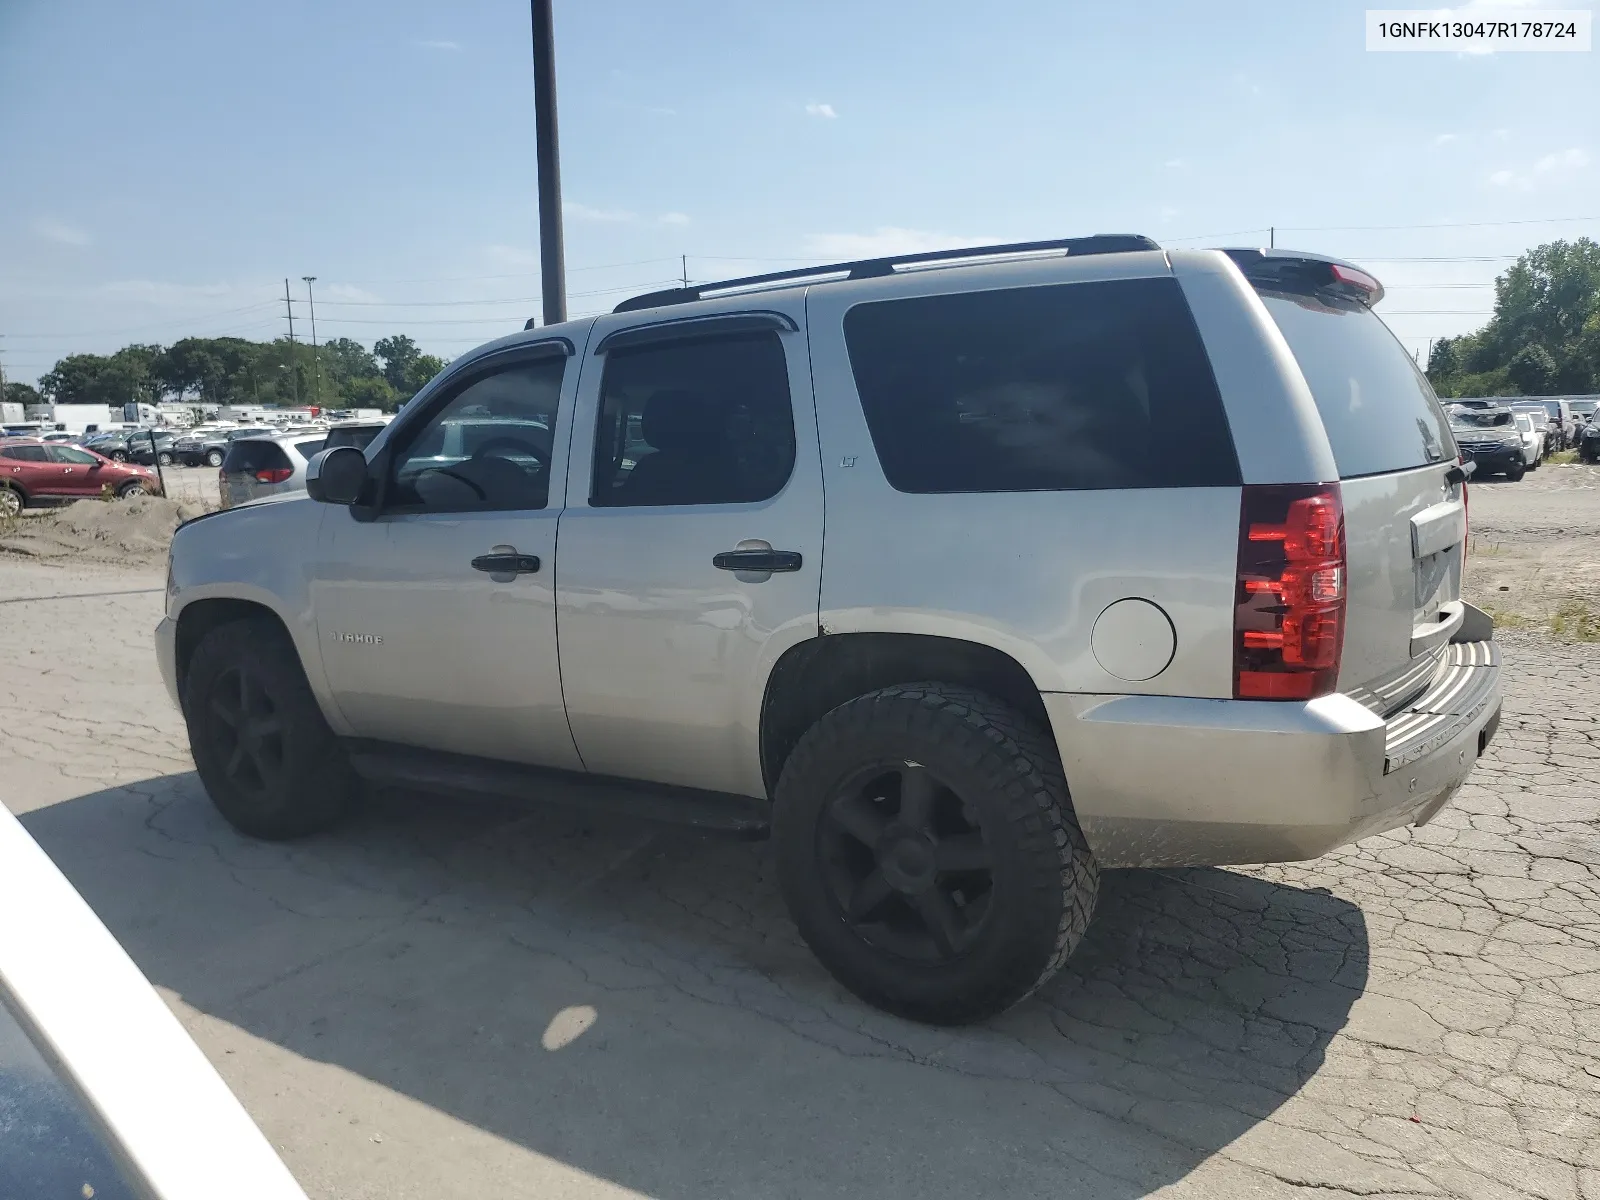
(248,456)
(308,448)
(1068,387)
(1380,412)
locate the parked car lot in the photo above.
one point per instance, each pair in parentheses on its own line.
(446,1001)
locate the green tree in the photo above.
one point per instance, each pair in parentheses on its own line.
(344,359)
(1544,336)
(422,370)
(18,392)
(1532,370)
(369,391)
(400,355)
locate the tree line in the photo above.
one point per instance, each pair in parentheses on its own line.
(1544,336)
(341,373)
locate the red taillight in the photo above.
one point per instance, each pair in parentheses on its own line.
(274,474)
(1356,279)
(1289,607)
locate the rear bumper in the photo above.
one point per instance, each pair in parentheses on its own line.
(1169,781)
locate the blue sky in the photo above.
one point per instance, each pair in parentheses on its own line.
(166,164)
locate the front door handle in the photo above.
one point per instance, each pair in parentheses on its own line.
(757,560)
(506,564)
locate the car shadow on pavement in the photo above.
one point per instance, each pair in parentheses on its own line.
(634,1003)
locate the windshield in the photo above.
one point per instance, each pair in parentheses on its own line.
(1472,418)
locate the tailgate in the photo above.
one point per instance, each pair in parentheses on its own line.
(1405,524)
(1405,539)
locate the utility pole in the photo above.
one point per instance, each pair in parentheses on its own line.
(685,258)
(288,307)
(316,367)
(1272,236)
(552,254)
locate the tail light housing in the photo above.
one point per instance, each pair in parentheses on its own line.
(1289,604)
(274,474)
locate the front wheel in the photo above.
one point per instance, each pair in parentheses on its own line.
(214,458)
(928,852)
(119,456)
(1515,473)
(260,743)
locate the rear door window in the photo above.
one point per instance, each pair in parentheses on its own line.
(1379,410)
(247,457)
(1079,386)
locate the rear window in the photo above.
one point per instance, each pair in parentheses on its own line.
(1067,387)
(248,456)
(359,436)
(1380,413)
(308,448)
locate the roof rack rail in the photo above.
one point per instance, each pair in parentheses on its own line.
(873,268)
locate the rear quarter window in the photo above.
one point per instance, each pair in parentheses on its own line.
(1379,410)
(249,456)
(360,436)
(308,448)
(1065,387)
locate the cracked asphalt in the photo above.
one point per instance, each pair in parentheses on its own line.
(452,1000)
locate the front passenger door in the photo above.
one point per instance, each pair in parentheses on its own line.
(436,613)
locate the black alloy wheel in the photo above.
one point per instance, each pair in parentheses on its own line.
(247,732)
(906,863)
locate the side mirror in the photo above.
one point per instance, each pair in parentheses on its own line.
(337,476)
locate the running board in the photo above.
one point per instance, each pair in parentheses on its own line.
(390,765)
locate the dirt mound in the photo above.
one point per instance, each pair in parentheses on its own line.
(134,531)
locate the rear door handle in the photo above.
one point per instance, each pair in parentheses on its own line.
(506,564)
(757,560)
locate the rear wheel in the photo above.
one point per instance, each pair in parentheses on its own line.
(120,456)
(260,743)
(213,458)
(164,458)
(131,489)
(928,852)
(11,501)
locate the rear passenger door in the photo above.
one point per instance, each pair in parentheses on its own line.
(691,548)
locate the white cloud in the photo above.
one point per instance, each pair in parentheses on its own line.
(1551,165)
(512,256)
(674,218)
(821,110)
(1444,139)
(1571,159)
(585,212)
(438,45)
(53,230)
(1167,212)
(1175,164)
(345,291)
(160,292)
(886,240)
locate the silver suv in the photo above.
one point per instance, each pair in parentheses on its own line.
(963,575)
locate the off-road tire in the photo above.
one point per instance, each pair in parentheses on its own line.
(316,785)
(214,458)
(1006,773)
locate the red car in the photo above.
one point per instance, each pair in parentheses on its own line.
(33,470)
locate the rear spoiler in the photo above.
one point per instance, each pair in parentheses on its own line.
(1300,271)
